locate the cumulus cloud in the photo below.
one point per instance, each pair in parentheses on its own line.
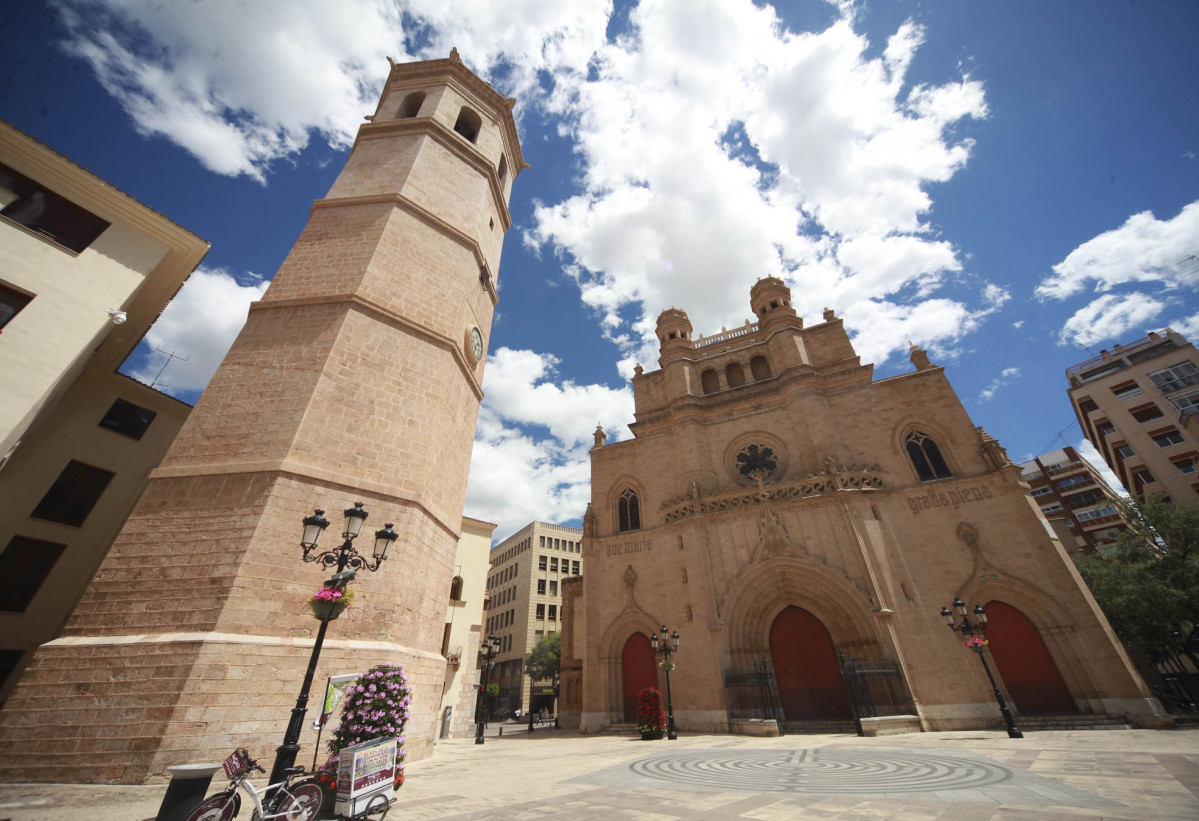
(198,325)
(1109,317)
(1143,249)
(717,147)
(1157,255)
(240,85)
(530,458)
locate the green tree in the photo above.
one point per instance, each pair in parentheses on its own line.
(546,656)
(1148,582)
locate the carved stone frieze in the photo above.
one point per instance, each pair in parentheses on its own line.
(693,503)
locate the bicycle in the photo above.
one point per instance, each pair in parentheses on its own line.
(287,801)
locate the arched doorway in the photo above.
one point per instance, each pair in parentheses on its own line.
(1031,677)
(806,670)
(640,671)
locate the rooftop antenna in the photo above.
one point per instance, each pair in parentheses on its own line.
(170,355)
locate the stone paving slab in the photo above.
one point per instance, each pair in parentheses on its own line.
(1121,775)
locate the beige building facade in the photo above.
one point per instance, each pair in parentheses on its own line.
(1137,405)
(528,572)
(782,509)
(463,626)
(357,377)
(84,271)
(1075,499)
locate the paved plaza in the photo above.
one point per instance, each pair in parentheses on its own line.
(962,776)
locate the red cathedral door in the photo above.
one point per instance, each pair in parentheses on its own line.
(1028,671)
(806,669)
(640,671)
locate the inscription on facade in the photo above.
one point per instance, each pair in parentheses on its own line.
(627,548)
(949,498)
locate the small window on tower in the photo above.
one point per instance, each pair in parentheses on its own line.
(710,381)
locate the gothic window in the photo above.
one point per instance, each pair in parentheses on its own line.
(757,463)
(456,589)
(710,381)
(410,107)
(503,169)
(469,124)
(759,367)
(628,512)
(926,457)
(734,375)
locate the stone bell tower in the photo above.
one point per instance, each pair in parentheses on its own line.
(356,378)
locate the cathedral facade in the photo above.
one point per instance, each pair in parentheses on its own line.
(801,524)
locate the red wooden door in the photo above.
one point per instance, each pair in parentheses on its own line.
(806,670)
(640,671)
(1028,671)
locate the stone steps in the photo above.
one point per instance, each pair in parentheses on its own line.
(820,727)
(1070,721)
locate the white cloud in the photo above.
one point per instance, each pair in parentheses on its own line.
(1087,451)
(1110,317)
(200,323)
(716,147)
(1006,376)
(1143,249)
(242,84)
(517,476)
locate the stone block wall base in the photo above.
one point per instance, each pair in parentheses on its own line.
(123,709)
(763,727)
(890,725)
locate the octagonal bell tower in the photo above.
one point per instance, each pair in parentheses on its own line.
(357,377)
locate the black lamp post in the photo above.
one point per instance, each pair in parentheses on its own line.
(978,644)
(667,647)
(491,646)
(341,558)
(532,678)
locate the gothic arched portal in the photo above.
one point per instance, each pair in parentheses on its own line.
(637,663)
(1028,671)
(806,670)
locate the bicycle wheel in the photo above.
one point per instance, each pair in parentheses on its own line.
(220,807)
(305,802)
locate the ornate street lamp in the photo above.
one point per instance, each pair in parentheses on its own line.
(975,630)
(667,647)
(490,648)
(341,558)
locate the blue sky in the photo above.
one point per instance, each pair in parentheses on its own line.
(1012,186)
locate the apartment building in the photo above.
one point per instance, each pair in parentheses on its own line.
(84,271)
(1136,404)
(525,603)
(1075,499)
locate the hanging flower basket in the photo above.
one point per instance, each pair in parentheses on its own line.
(977,643)
(329,602)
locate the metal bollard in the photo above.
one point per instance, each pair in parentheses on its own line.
(189,784)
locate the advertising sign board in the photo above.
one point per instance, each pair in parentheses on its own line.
(365,772)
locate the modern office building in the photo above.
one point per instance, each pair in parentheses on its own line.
(780,508)
(84,271)
(1136,403)
(1075,499)
(525,603)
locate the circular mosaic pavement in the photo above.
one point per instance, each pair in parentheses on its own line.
(822,771)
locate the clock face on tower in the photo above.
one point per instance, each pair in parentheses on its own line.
(476,344)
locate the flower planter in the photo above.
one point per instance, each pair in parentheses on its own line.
(328,609)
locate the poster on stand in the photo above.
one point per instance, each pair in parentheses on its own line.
(366,776)
(335,691)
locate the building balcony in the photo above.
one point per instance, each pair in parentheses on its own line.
(1065,469)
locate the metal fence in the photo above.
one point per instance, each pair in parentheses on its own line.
(876,688)
(751,694)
